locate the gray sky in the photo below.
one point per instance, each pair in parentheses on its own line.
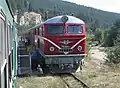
(106,5)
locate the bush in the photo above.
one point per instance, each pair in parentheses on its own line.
(99,35)
(113,53)
(111,34)
(89,42)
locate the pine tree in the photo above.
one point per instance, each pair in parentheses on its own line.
(30,9)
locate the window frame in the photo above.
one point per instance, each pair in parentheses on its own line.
(2,38)
(9,35)
(2,17)
(56,33)
(75,25)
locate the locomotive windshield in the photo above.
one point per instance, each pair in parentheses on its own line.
(75,29)
(55,29)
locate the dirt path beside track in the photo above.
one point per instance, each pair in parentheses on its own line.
(96,73)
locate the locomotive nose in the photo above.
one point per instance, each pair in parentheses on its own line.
(64,45)
(70,45)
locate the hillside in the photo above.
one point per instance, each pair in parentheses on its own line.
(93,17)
(88,14)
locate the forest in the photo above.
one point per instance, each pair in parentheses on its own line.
(93,17)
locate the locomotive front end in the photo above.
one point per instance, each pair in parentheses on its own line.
(64,43)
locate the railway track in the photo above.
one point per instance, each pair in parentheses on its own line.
(72,81)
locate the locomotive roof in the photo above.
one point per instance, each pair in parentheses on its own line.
(57,19)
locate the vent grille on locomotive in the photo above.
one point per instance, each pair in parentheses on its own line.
(65,49)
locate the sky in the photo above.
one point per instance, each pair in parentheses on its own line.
(106,5)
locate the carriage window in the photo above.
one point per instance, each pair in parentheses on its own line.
(8,38)
(2,50)
(0,35)
(10,66)
(55,29)
(73,29)
(11,37)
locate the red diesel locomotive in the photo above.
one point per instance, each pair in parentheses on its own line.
(62,43)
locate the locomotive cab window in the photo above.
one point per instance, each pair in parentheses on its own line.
(75,29)
(55,29)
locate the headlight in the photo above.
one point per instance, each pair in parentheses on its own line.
(52,49)
(36,40)
(79,48)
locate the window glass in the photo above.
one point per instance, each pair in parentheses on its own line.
(10,67)
(0,35)
(8,38)
(5,42)
(2,44)
(75,29)
(55,29)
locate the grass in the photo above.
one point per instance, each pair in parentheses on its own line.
(40,82)
(98,78)
(92,75)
